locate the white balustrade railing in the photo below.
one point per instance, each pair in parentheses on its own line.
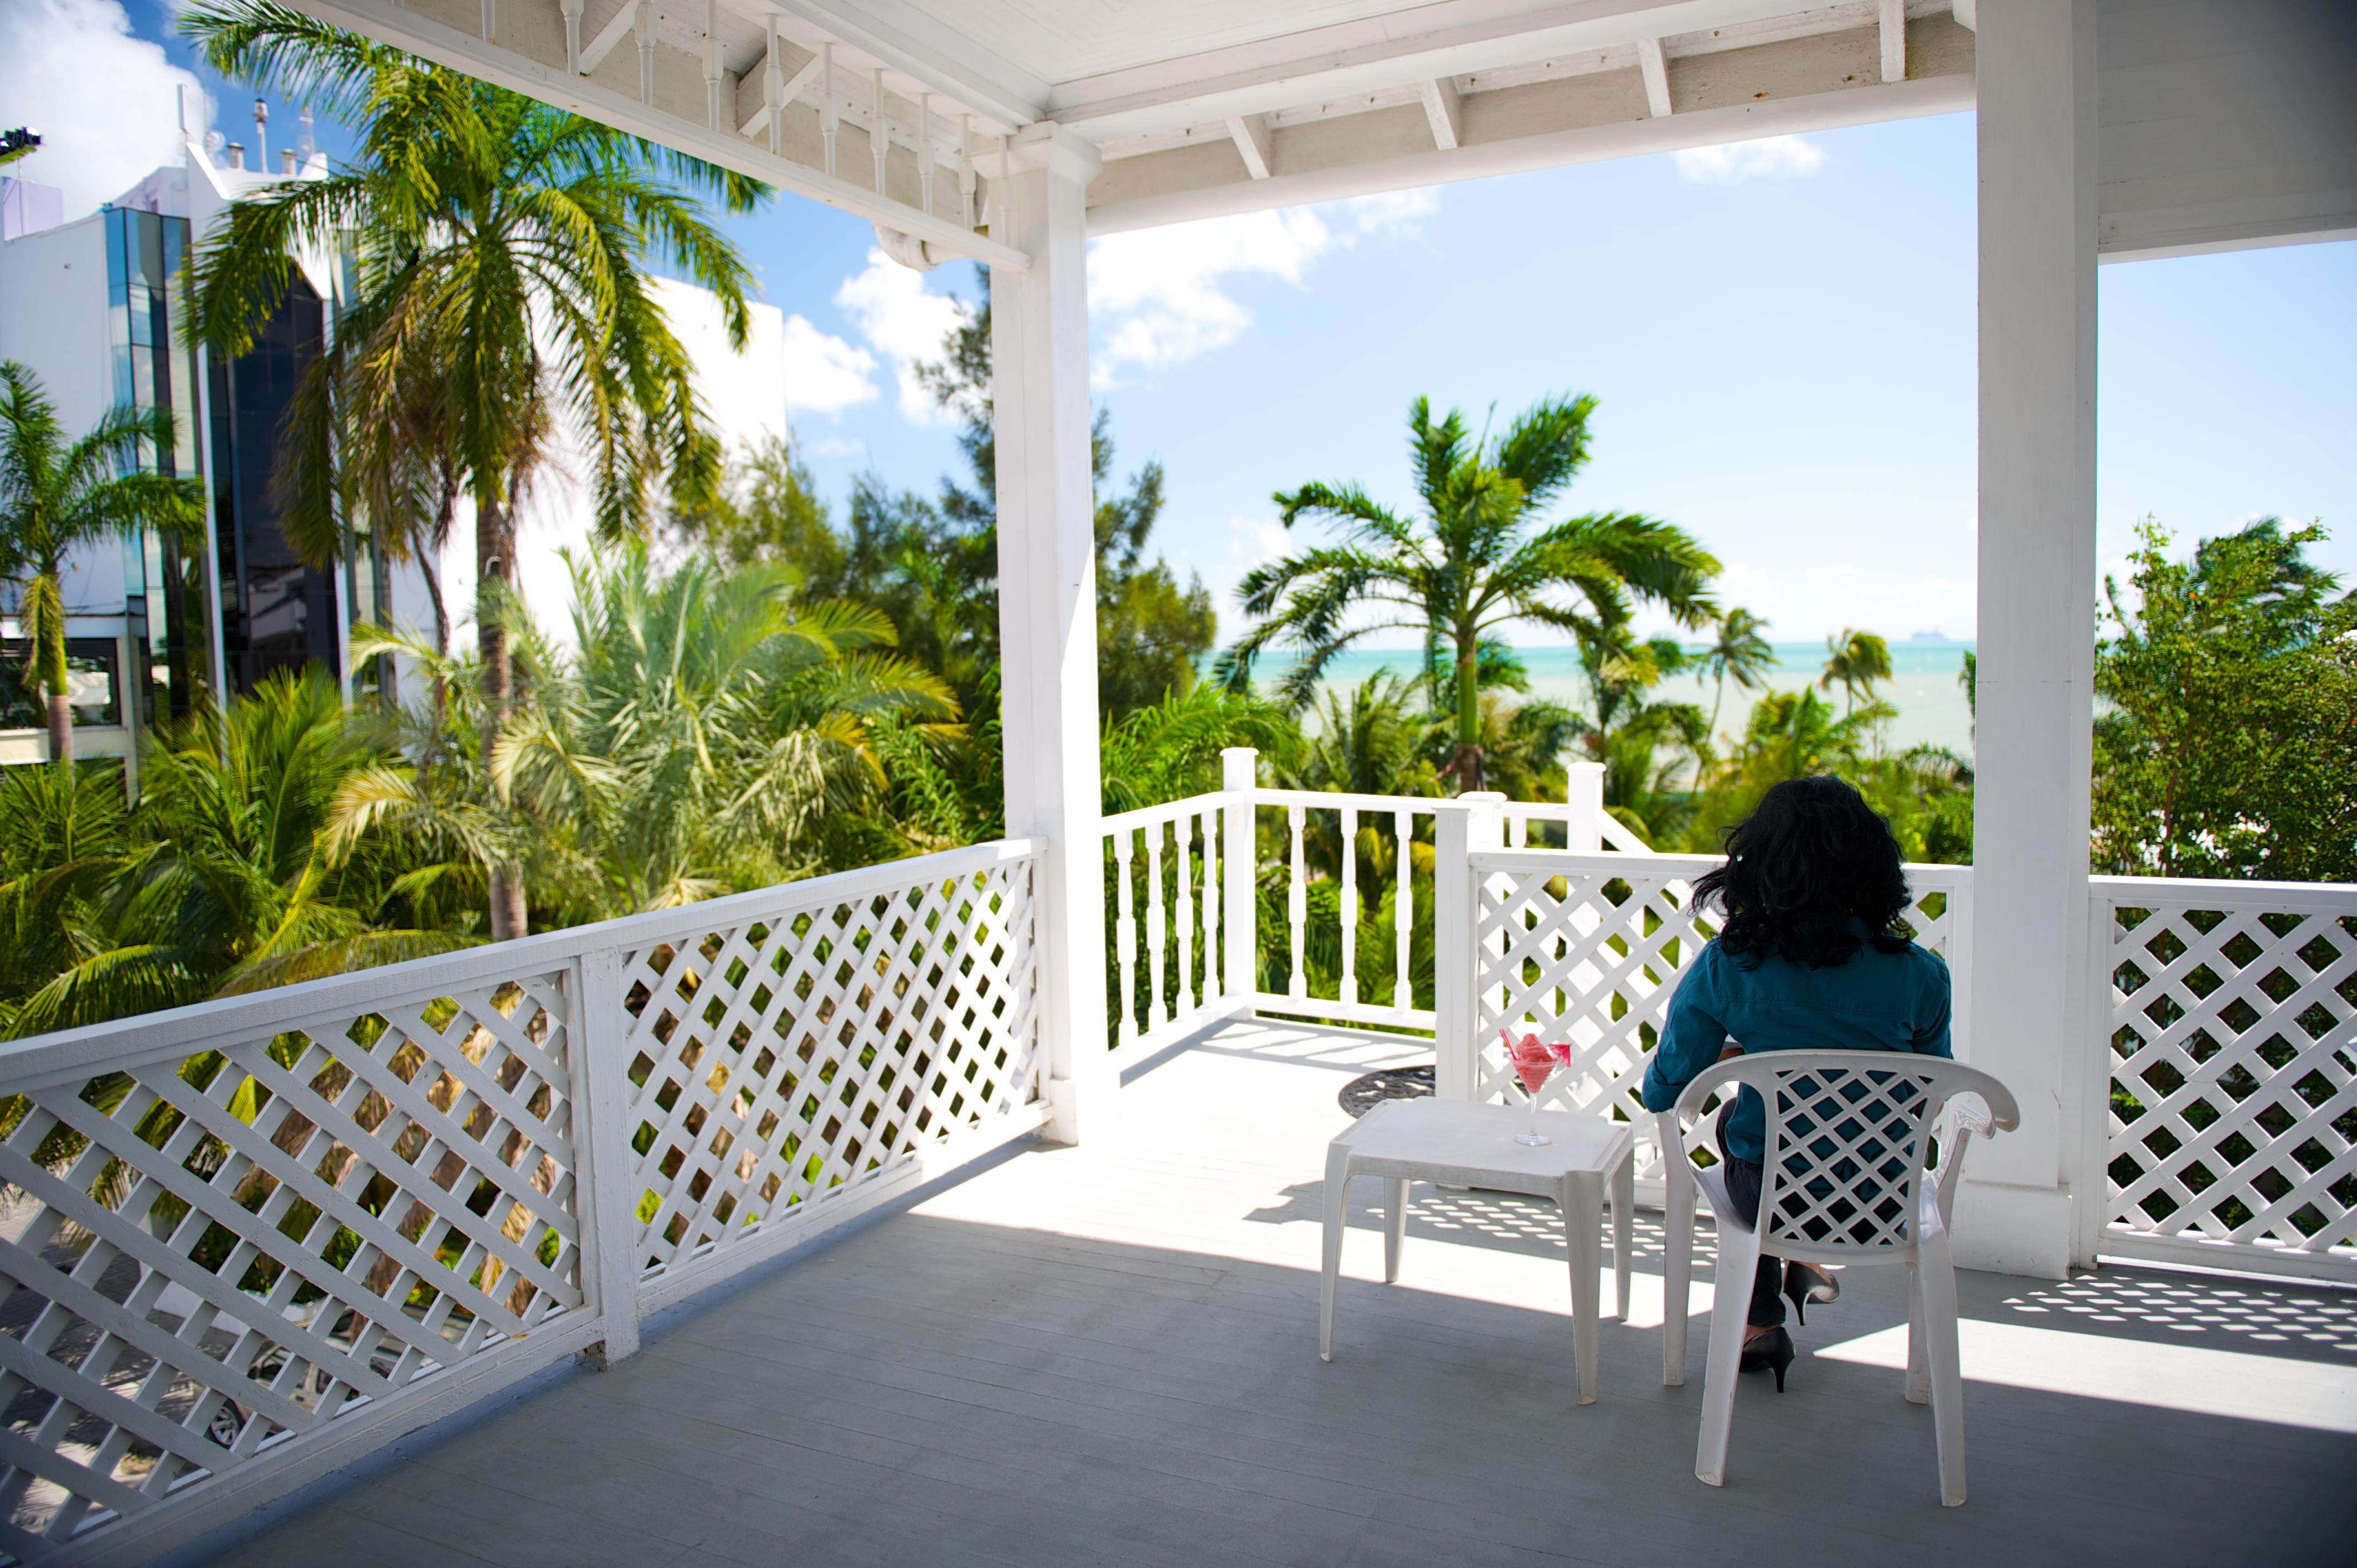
(1185,948)
(1188,865)
(246,1242)
(2225,1100)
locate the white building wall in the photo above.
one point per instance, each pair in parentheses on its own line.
(53,320)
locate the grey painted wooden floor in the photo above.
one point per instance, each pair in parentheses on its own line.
(1109,1355)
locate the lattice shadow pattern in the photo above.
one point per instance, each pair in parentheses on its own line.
(1593,959)
(207,1255)
(800,1056)
(2233,1089)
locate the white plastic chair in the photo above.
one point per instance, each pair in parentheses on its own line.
(1847,1150)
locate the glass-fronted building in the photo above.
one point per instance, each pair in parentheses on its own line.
(166,596)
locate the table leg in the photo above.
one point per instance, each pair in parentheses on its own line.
(1624,1230)
(1394,1226)
(1583,1229)
(1337,1191)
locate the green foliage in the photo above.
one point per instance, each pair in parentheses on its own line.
(226,878)
(1854,660)
(500,255)
(59,493)
(2230,730)
(765,510)
(1475,562)
(709,733)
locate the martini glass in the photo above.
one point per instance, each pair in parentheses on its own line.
(1535,1063)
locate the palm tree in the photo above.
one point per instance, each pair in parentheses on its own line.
(1471,565)
(230,879)
(502,296)
(1855,663)
(709,735)
(1738,652)
(57,494)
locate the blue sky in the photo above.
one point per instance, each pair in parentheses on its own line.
(1780,337)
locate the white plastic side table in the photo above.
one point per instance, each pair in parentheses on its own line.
(1462,1142)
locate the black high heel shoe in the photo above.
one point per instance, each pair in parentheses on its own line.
(1826,1288)
(1772,1352)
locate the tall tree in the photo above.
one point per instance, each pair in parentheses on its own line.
(1855,661)
(57,493)
(503,250)
(2230,734)
(1739,652)
(1471,565)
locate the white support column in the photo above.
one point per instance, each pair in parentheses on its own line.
(1046,597)
(1473,823)
(1584,789)
(2036,634)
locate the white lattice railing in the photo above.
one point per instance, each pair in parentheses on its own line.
(2229,1092)
(245,1243)
(1588,948)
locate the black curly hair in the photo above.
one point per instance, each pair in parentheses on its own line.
(1811,857)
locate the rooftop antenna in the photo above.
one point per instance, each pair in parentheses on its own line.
(261,135)
(306,146)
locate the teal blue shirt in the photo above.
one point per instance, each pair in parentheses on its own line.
(1876,1001)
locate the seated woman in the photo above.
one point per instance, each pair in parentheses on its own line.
(1805,960)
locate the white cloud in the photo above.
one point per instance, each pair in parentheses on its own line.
(1252,542)
(1158,296)
(907,325)
(1754,588)
(1770,157)
(824,373)
(102,99)
(837,446)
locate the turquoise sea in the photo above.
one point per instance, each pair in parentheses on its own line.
(1923,688)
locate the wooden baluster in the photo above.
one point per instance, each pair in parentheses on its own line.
(1184,828)
(1349,915)
(1213,989)
(1124,936)
(1402,911)
(1296,904)
(1158,1002)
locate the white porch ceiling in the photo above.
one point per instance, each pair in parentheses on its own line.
(2224,120)
(1204,107)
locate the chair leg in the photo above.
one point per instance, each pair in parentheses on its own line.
(1624,1231)
(1394,1226)
(1337,1191)
(1918,1370)
(1677,1269)
(1731,1294)
(1937,1288)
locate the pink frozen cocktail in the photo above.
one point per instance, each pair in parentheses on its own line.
(1536,1061)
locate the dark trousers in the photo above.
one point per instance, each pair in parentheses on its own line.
(1767,1308)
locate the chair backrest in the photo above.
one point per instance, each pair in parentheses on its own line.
(1848,1135)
